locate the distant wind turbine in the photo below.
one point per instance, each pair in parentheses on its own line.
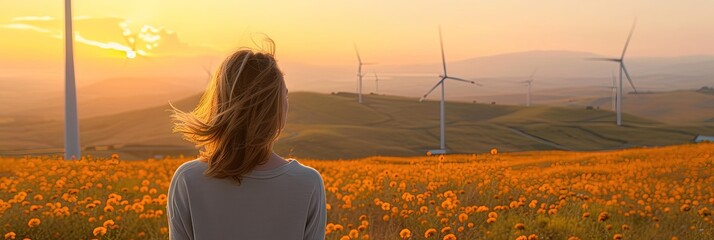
(623,69)
(529,82)
(376,83)
(614,91)
(71,122)
(359,75)
(442,82)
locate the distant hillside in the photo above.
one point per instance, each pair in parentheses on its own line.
(325,126)
(677,107)
(105,97)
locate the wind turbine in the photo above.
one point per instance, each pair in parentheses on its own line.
(529,82)
(359,75)
(614,91)
(71,122)
(623,69)
(376,83)
(442,82)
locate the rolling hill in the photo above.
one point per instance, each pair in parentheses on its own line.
(333,126)
(105,97)
(684,106)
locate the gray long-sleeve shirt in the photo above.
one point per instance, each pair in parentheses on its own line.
(287,202)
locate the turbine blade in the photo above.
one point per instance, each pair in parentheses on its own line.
(628,39)
(604,59)
(628,78)
(359,59)
(432,89)
(443,58)
(464,80)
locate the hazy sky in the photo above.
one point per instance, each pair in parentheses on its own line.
(398,32)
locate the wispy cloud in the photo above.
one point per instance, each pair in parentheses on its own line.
(23,26)
(32,18)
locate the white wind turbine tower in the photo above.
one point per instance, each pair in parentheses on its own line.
(376,83)
(71,122)
(442,82)
(623,69)
(359,75)
(529,82)
(614,91)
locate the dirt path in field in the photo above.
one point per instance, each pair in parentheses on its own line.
(538,139)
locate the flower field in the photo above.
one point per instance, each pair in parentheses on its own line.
(644,193)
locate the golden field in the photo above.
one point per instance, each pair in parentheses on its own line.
(645,193)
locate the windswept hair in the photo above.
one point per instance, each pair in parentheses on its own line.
(239,116)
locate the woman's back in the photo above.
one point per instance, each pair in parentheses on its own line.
(286,202)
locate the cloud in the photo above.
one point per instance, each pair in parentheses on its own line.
(114,34)
(23,26)
(32,18)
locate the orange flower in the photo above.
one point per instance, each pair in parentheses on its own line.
(108,223)
(449,236)
(10,235)
(429,232)
(463,217)
(494,151)
(405,233)
(354,234)
(519,226)
(99,231)
(604,216)
(33,222)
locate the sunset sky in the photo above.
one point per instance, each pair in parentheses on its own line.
(395,32)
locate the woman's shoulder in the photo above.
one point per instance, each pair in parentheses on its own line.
(306,172)
(190,168)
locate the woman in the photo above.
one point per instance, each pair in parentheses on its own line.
(239,188)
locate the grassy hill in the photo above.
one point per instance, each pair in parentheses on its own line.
(334,126)
(684,106)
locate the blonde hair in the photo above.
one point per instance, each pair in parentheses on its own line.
(239,116)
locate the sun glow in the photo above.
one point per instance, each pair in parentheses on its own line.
(130,54)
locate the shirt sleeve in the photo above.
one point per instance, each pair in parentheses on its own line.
(177,209)
(317,214)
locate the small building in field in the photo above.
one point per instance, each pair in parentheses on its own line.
(702,138)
